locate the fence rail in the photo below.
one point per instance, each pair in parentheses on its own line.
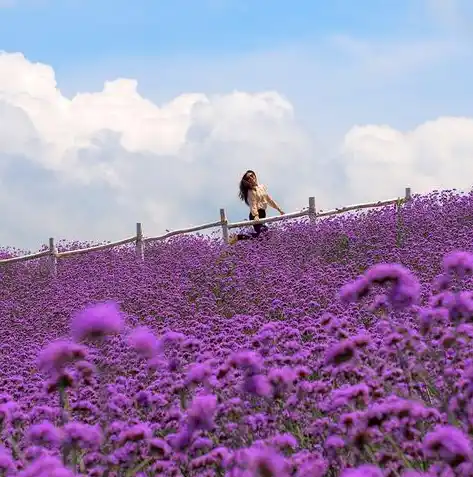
(226,226)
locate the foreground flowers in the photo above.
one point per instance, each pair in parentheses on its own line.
(206,364)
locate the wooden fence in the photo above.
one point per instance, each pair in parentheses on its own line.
(140,241)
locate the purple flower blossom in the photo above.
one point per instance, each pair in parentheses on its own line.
(312,467)
(6,412)
(97,321)
(143,341)
(286,440)
(82,435)
(341,353)
(449,444)
(44,434)
(363,471)
(159,448)
(138,432)
(265,462)
(405,288)
(46,466)
(458,262)
(7,463)
(201,412)
(59,354)
(258,385)
(334,442)
(304,377)
(248,361)
(198,373)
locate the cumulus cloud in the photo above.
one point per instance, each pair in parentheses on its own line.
(91,165)
(381,160)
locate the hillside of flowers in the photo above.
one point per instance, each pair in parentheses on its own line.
(340,348)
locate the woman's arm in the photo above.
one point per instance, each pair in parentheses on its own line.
(272,203)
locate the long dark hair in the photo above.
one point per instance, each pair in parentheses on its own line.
(245,186)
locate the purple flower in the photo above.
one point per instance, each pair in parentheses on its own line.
(281,441)
(258,385)
(86,369)
(449,444)
(345,395)
(405,288)
(283,377)
(181,440)
(460,263)
(143,341)
(363,471)
(97,321)
(334,442)
(313,467)
(248,361)
(7,464)
(82,435)
(159,448)
(441,283)
(340,353)
(265,462)
(354,291)
(59,354)
(201,412)
(6,412)
(46,466)
(198,373)
(138,432)
(44,434)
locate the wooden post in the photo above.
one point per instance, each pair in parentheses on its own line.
(139,247)
(52,257)
(408,194)
(312,211)
(223,218)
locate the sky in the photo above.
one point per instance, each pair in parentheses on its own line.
(113,113)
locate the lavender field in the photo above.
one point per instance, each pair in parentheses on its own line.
(340,348)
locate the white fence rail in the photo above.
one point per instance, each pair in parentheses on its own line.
(140,241)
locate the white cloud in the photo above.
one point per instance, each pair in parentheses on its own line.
(382,161)
(90,166)
(116,152)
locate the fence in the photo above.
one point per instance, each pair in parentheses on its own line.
(140,241)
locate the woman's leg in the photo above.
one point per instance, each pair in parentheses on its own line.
(262,214)
(258,227)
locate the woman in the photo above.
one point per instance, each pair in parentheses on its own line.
(256,196)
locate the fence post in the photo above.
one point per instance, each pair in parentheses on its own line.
(52,257)
(223,219)
(139,246)
(408,194)
(312,212)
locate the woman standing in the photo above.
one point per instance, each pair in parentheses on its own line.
(256,196)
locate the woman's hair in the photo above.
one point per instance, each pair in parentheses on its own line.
(245,186)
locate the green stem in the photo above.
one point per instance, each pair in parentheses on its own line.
(399,451)
(63,404)
(74,459)
(82,468)
(138,467)
(16,450)
(370,453)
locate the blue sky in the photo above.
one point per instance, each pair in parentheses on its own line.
(323,94)
(65,31)
(215,46)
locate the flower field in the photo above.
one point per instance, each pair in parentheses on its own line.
(339,348)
